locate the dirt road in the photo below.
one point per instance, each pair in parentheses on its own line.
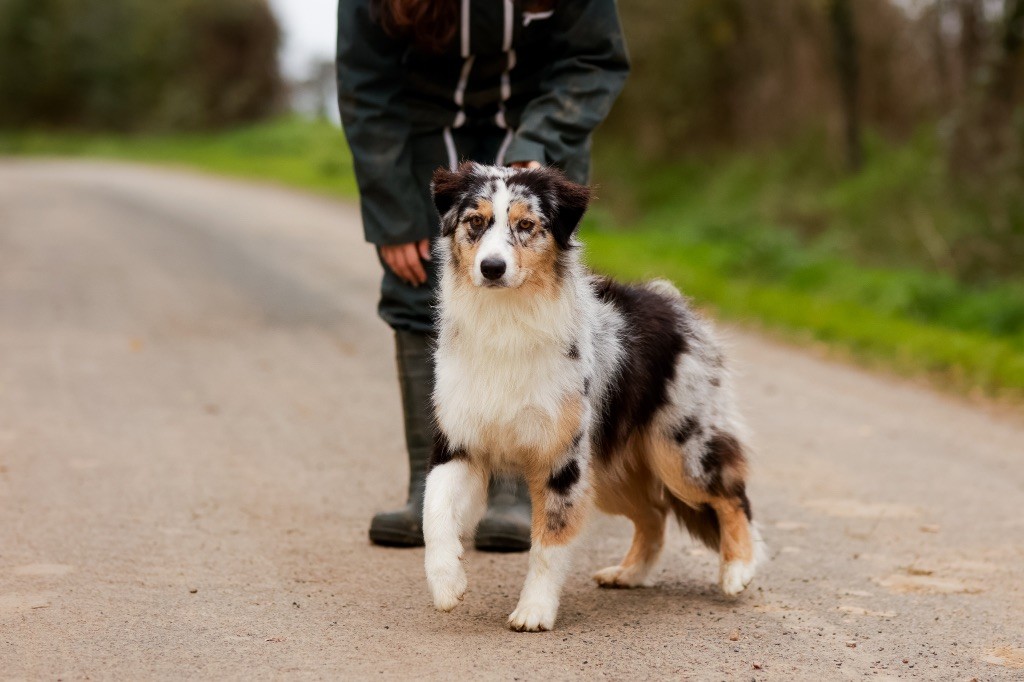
(198,415)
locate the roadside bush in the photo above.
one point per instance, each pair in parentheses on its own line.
(137,64)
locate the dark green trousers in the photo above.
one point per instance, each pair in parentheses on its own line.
(403,306)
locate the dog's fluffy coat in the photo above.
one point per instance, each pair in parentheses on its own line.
(597,392)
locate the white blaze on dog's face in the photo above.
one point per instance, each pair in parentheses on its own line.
(507,227)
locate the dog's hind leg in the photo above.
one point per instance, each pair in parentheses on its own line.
(636,566)
(740,542)
(561,502)
(639,498)
(454,501)
(716,509)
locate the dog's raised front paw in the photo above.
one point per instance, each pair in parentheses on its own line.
(533,617)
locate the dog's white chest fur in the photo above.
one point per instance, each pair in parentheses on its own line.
(501,382)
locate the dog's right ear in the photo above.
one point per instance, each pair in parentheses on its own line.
(447,187)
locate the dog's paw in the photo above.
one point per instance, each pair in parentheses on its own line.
(448,583)
(736,575)
(619,577)
(533,617)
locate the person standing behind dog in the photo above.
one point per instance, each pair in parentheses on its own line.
(428,83)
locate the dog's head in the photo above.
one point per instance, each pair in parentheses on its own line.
(507,227)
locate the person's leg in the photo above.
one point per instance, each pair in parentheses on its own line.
(403,527)
(408,311)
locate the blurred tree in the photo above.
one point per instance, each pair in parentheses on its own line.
(713,74)
(132,64)
(844,35)
(989,131)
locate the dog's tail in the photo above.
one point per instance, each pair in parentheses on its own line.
(701,522)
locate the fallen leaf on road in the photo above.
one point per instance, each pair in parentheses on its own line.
(1006,656)
(926,584)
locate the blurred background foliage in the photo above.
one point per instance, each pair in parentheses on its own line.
(843,171)
(835,87)
(137,64)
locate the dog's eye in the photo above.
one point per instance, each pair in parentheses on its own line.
(525,225)
(476,222)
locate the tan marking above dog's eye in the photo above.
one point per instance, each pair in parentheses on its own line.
(525,225)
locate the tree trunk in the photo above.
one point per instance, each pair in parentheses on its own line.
(844,37)
(972,22)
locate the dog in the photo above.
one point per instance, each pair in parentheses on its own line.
(598,393)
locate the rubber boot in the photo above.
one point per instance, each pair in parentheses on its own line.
(404,527)
(506,525)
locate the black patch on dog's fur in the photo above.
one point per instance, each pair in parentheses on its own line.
(701,522)
(722,451)
(563,201)
(586,386)
(745,501)
(449,187)
(686,430)
(574,352)
(652,344)
(563,481)
(716,382)
(443,451)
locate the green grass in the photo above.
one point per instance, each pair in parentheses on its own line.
(784,241)
(303,154)
(787,241)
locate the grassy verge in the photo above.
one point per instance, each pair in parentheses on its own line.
(862,263)
(298,153)
(781,241)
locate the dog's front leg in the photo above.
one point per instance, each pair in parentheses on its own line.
(454,501)
(561,502)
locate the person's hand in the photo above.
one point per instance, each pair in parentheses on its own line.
(525,164)
(406,260)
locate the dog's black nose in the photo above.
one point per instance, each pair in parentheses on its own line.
(492,268)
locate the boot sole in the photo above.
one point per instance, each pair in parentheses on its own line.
(494,542)
(386,537)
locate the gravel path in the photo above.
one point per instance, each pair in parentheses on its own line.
(199,414)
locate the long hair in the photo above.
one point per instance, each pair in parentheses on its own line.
(430,24)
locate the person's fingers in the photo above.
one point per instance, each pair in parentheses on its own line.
(392,256)
(403,270)
(415,264)
(525,164)
(404,260)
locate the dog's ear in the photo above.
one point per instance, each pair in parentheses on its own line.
(571,201)
(446,188)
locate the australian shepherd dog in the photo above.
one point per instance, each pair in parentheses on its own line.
(598,393)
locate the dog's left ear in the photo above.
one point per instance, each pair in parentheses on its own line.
(571,200)
(446,187)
